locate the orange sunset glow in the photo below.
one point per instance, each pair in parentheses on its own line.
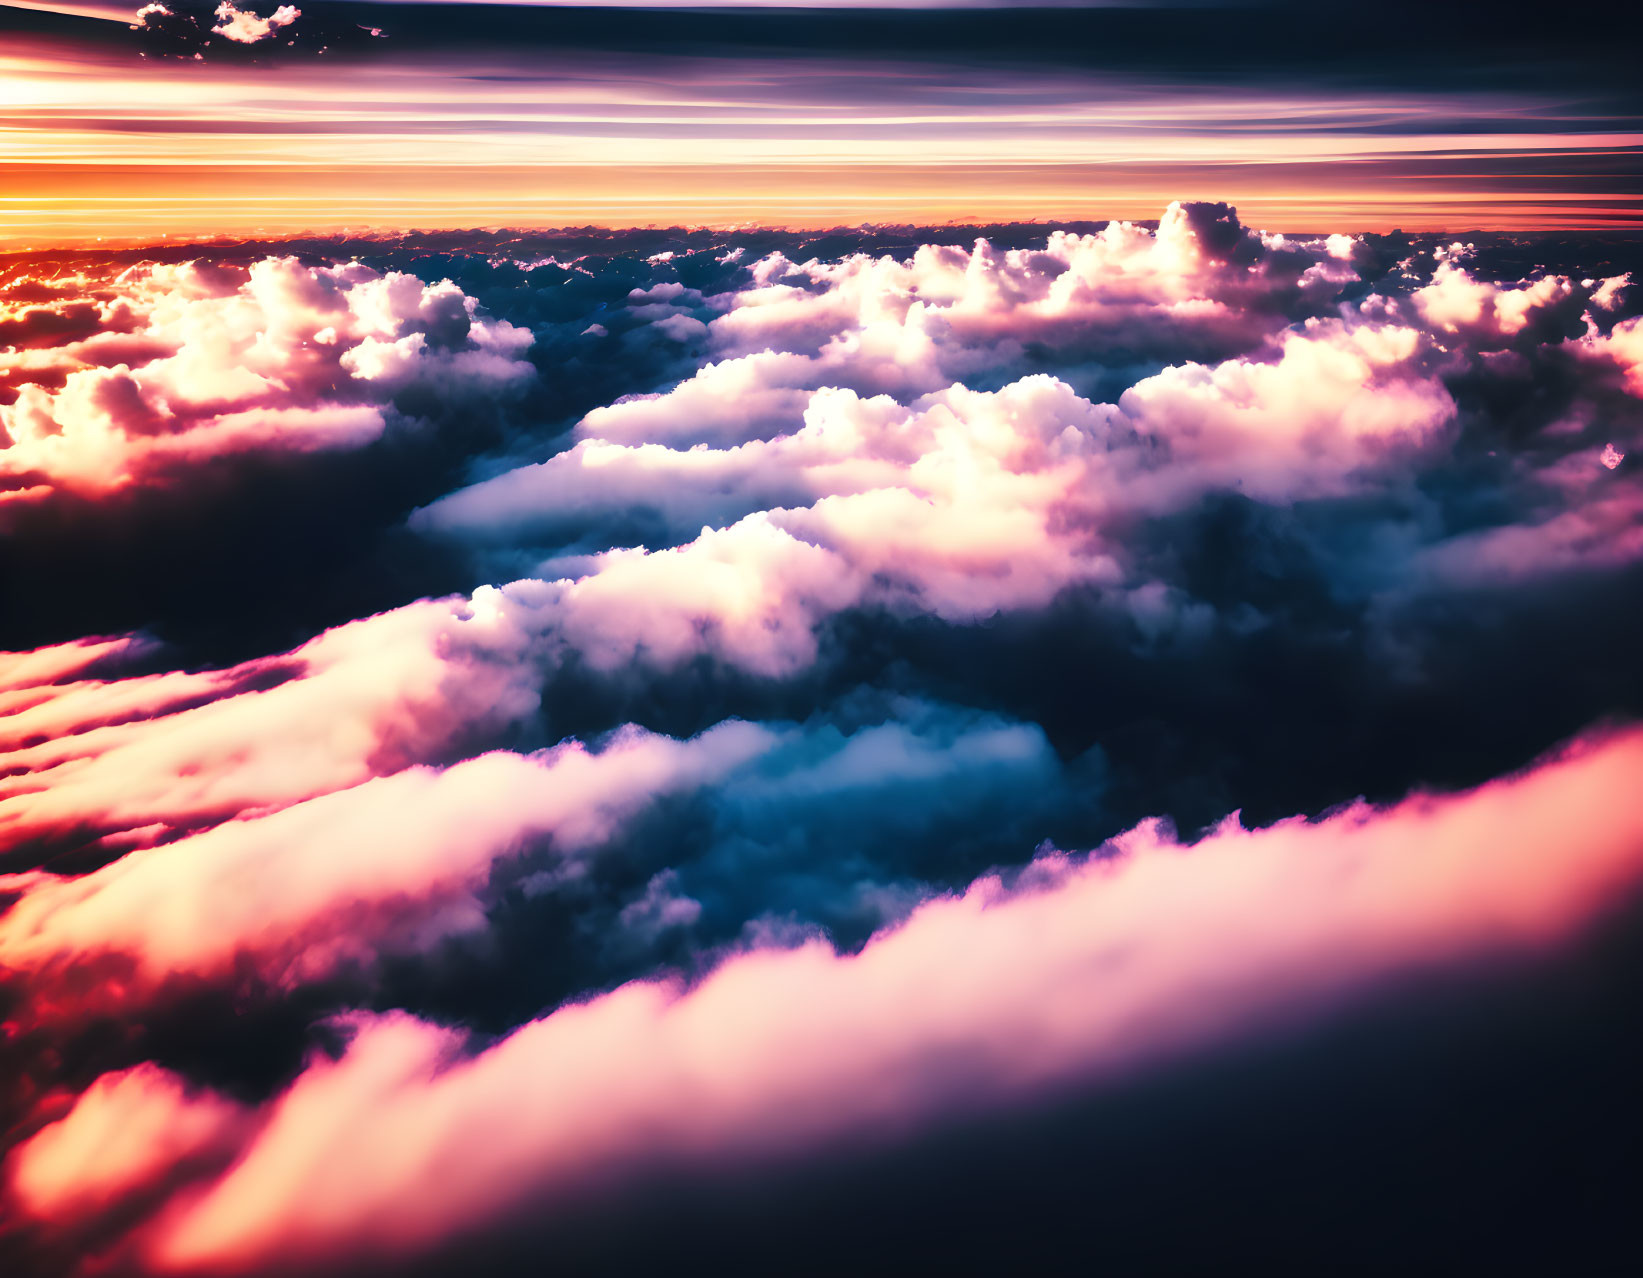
(97,143)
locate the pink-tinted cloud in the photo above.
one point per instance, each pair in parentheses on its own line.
(915,326)
(1605,530)
(244,26)
(956,504)
(127,1134)
(36,672)
(395,864)
(388,865)
(1624,345)
(867,436)
(193,362)
(1088,967)
(1339,398)
(163,753)
(1293,418)
(832,460)
(1457,303)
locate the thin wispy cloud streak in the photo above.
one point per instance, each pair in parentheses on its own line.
(554,114)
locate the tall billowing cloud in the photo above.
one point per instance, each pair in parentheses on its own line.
(632,729)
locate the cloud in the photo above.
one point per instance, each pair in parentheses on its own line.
(1624,345)
(395,865)
(34,673)
(243,26)
(1338,399)
(1082,305)
(964,504)
(1490,315)
(126,1134)
(389,864)
(957,504)
(607,701)
(1200,281)
(203,31)
(194,362)
(165,753)
(1086,967)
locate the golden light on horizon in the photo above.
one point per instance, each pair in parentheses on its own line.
(97,146)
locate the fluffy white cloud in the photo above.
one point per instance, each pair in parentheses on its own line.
(1624,345)
(194,361)
(961,505)
(244,26)
(1458,303)
(950,436)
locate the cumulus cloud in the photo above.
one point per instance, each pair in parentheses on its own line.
(397,863)
(819,373)
(207,31)
(1489,314)
(1624,345)
(962,505)
(243,26)
(1337,399)
(1200,281)
(193,362)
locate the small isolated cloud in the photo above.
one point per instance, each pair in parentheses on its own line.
(243,26)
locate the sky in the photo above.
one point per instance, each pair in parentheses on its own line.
(819,641)
(484,115)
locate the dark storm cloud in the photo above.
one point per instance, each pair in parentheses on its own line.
(1299,44)
(1235,40)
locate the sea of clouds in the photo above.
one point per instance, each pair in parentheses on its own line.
(495,720)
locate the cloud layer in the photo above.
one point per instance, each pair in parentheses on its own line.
(1086,966)
(506,722)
